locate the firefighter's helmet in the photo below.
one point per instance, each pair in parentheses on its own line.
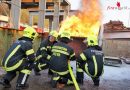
(65,34)
(91,40)
(30,32)
(54,33)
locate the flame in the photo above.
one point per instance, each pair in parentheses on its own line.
(86,22)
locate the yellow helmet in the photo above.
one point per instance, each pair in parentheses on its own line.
(65,34)
(92,40)
(54,33)
(30,32)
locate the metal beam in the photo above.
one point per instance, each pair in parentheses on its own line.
(30,19)
(56,14)
(42,7)
(66,11)
(46,14)
(101,35)
(15,14)
(50,24)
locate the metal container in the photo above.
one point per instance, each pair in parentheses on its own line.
(78,45)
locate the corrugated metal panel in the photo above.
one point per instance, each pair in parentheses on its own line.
(117,47)
(7,37)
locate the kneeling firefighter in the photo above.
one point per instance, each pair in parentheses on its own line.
(61,53)
(19,58)
(90,61)
(44,52)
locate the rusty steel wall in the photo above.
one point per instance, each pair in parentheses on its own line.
(6,39)
(78,45)
(117,47)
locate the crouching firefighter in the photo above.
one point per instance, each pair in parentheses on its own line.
(44,52)
(61,53)
(19,58)
(90,61)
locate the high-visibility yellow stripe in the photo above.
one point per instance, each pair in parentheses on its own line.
(79,70)
(41,65)
(43,48)
(28,52)
(48,57)
(39,57)
(73,77)
(48,46)
(69,82)
(86,69)
(59,51)
(56,78)
(95,65)
(61,73)
(59,47)
(11,54)
(14,67)
(26,71)
(72,55)
(83,56)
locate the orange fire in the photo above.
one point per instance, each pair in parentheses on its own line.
(86,22)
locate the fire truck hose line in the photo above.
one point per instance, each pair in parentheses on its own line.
(73,77)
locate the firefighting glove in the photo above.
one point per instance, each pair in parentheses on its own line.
(48,57)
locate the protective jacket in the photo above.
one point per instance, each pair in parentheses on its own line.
(17,53)
(91,61)
(61,53)
(43,55)
(44,50)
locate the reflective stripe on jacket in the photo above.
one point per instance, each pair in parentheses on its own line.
(19,50)
(61,53)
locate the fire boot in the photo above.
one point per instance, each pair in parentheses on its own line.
(79,73)
(96,81)
(37,73)
(50,72)
(61,83)
(70,82)
(80,80)
(54,80)
(5,83)
(80,77)
(22,86)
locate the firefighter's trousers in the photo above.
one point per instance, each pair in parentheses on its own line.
(61,77)
(80,69)
(41,64)
(23,70)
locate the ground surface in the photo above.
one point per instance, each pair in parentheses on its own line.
(114,78)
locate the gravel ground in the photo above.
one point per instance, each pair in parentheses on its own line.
(114,78)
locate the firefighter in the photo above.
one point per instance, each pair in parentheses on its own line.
(61,53)
(44,52)
(19,58)
(90,61)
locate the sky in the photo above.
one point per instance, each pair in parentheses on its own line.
(108,12)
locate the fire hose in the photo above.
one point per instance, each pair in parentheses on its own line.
(73,77)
